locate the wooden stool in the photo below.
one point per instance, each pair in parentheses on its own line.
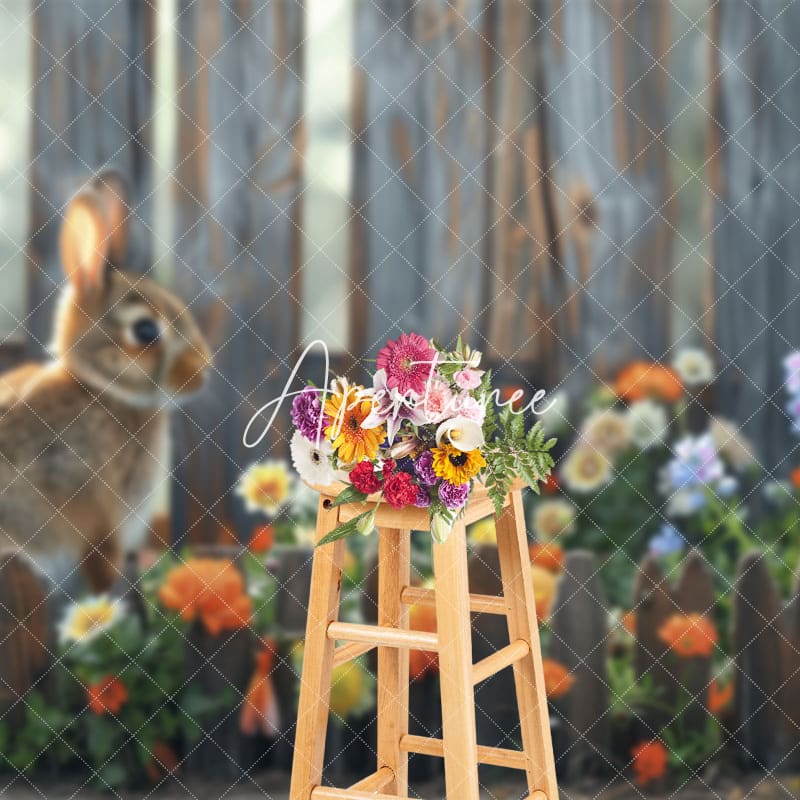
(392,637)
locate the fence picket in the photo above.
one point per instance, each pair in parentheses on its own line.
(757,645)
(579,626)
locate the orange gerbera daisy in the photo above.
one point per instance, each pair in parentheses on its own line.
(107,696)
(629,622)
(262,539)
(347,409)
(558,680)
(650,761)
(689,635)
(719,697)
(644,379)
(547,555)
(211,590)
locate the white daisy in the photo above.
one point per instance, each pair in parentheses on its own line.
(648,423)
(607,431)
(585,469)
(313,464)
(694,367)
(83,621)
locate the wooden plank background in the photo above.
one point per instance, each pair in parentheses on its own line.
(510,181)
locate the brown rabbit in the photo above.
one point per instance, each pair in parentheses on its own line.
(83,439)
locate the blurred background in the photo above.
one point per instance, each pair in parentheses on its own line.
(600,195)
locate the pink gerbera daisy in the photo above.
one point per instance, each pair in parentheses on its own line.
(408,362)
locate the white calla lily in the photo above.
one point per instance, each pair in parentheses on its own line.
(464,434)
(440,528)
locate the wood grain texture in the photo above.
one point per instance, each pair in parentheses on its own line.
(315,682)
(455,666)
(238,183)
(394,554)
(579,625)
(512,548)
(92,102)
(755,208)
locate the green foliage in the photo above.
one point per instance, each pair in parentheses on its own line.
(515,452)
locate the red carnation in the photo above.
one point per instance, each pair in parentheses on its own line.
(388,467)
(399,490)
(364,477)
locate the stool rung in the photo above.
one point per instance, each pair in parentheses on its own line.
(374,782)
(329,793)
(478,603)
(503,658)
(347,652)
(380,636)
(497,756)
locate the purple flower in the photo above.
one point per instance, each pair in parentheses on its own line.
(453,495)
(423,498)
(423,466)
(307,413)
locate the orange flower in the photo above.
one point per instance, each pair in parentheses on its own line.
(547,555)
(544,590)
(507,392)
(719,696)
(211,590)
(551,485)
(422,662)
(629,622)
(164,761)
(794,477)
(107,696)
(649,761)
(558,680)
(642,379)
(262,539)
(689,635)
(260,711)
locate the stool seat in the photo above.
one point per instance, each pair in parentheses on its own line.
(453,642)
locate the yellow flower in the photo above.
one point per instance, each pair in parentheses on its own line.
(83,621)
(347,409)
(265,487)
(585,469)
(457,466)
(348,687)
(483,532)
(545,584)
(607,431)
(553,518)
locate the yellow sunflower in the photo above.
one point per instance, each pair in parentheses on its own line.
(346,411)
(457,466)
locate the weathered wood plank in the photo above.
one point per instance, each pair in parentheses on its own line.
(756,120)
(579,625)
(758,642)
(91,100)
(238,185)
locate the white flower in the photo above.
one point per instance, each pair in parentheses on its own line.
(731,443)
(440,528)
(553,518)
(313,464)
(694,367)
(86,620)
(648,423)
(464,434)
(607,431)
(585,469)
(554,417)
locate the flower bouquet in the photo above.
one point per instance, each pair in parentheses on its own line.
(428,428)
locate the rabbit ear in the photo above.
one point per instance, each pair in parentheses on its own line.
(84,242)
(112,189)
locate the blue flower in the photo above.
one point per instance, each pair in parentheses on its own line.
(667,541)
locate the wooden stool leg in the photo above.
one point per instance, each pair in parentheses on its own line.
(315,683)
(455,666)
(394,573)
(515,570)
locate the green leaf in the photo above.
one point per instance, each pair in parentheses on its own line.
(348,495)
(343,530)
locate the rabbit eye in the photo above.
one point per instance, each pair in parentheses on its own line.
(146,331)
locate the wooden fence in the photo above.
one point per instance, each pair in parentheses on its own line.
(514,180)
(760,730)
